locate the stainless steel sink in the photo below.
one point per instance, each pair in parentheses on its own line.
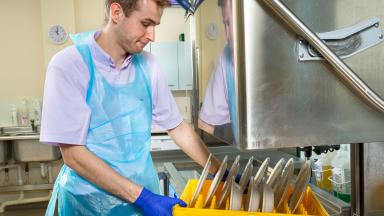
(26,147)
(31,150)
(15,131)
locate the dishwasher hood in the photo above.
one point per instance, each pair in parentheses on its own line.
(287,94)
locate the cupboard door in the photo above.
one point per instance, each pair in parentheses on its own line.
(185,65)
(166,57)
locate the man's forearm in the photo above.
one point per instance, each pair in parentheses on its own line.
(188,140)
(95,170)
(205,126)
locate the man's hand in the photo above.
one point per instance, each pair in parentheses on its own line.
(153,204)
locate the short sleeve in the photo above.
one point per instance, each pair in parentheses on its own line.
(65,115)
(165,113)
(214,110)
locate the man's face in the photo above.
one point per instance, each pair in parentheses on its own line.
(135,31)
(228,22)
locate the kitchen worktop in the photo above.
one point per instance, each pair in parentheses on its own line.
(37,136)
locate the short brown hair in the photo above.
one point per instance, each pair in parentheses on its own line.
(130,5)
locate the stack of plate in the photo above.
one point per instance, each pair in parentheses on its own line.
(253,193)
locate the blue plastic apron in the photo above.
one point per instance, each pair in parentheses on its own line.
(119,133)
(231,91)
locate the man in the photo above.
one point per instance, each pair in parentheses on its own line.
(101,97)
(218,113)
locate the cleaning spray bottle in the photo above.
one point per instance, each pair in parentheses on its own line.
(15,116)
(322,169)
(24,114)
(341,174)
(37,113)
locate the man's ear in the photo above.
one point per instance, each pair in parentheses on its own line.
(116,12)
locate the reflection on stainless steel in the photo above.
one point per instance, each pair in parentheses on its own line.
(343,71)
(290,103)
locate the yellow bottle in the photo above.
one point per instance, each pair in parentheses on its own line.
(323,169)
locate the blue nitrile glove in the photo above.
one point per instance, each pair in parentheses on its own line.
(237,178)
(153,204)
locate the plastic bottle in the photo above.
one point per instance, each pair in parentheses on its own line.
(24,114)
(14,116)
(322,169)
(341,174)
(37,112)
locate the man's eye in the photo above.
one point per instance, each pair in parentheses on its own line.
(145,24)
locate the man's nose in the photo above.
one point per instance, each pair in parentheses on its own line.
(150,34)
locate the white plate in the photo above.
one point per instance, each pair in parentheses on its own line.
(261,172)
(300,186)
(268,199)
(200,183)
(236,196)
(215,183)
(283,186)
(227,184)
(276,172)
(246,174)
(253,198)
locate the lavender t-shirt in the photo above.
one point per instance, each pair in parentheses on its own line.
(215,110)
(66,115)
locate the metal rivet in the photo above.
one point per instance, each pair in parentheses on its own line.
(381,36)
(377,25)
(301,55)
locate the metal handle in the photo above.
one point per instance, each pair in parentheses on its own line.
(342,70)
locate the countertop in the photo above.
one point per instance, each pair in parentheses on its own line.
(37,136)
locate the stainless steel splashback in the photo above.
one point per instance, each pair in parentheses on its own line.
(282,101)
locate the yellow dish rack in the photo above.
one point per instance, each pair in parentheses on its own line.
(310,205)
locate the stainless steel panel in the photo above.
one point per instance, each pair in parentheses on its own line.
(331,51)
(31,150)
(373,179)
(283,102)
